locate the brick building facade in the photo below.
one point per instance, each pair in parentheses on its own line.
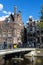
(11,28)
(34,34)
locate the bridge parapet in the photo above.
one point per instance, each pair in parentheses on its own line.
(9,51)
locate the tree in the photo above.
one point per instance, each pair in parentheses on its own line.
(40,24)
(41,17)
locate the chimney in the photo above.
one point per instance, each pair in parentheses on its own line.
(15,14)
(15,8)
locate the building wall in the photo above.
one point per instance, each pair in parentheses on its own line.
(10,30)
(34,34)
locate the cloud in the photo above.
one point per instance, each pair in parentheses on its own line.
(3,17)
(4,11)
(1,7)
(7,15)
(7,12)
(13,13)
(30,17)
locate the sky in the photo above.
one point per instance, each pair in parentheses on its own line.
(27,8)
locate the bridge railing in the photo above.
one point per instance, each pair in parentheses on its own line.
(4,46)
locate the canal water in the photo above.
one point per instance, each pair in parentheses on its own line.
(26,61)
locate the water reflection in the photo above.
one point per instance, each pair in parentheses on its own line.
(35,61)
(26,61)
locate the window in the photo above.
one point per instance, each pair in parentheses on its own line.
(9,34)
(41,31)
(38,32)
(15,39)
(31,29)
(4,34)
(0,35)
(31,25)
(42,39)
(20,24)
(38,40)
(9,41)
